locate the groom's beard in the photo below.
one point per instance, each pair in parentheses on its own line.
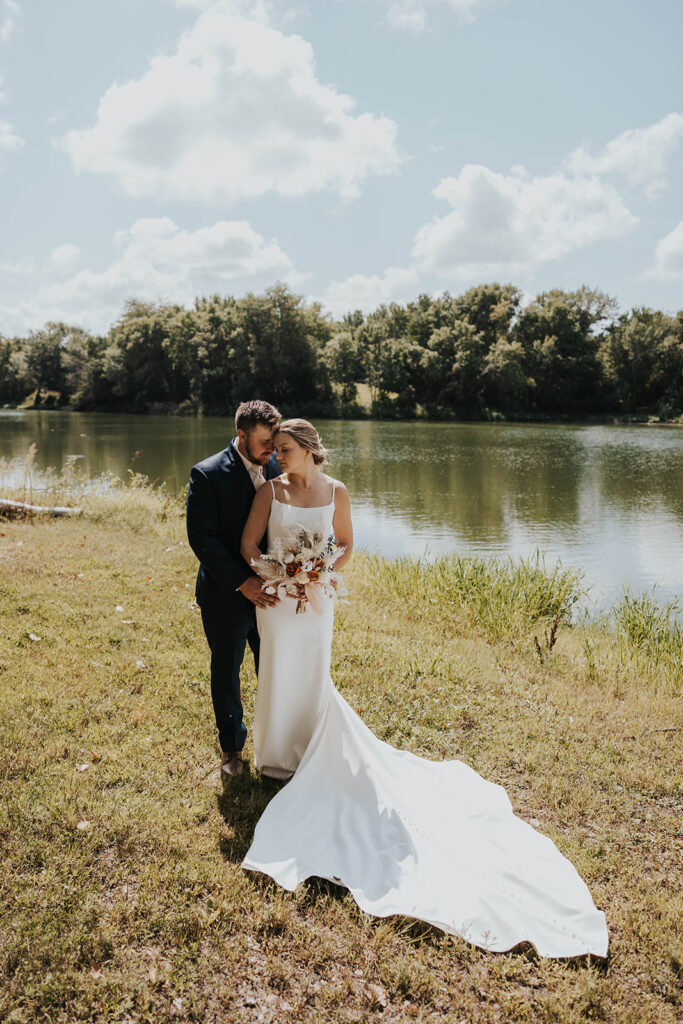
(256,460)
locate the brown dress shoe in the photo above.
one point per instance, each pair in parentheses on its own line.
(231,764)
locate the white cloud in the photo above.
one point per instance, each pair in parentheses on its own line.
(295,14)
(668,264)
(235,112)
(241,6)
(511,224)
(65,256)
(58,115)
(412,14)
(156,261)
(640,155)
(9,141)
(367,292)
(9,17)
(22,268)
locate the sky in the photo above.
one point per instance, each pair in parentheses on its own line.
(360,151)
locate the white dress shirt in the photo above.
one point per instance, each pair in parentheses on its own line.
(255,472)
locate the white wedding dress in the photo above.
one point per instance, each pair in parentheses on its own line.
(425,839)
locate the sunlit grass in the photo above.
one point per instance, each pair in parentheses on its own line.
(121,894)
(496,597)
(651,636)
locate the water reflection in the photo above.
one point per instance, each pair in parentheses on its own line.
(471,477)
(608,499)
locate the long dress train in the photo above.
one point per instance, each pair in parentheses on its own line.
(424,839)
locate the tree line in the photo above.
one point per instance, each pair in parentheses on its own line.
(482,354)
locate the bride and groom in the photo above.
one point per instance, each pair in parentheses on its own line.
(422,839)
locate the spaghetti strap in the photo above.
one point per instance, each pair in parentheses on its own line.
(334,488)
(272,487)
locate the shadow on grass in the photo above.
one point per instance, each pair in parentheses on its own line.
(241,804)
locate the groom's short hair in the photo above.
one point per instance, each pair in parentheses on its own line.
(250,414)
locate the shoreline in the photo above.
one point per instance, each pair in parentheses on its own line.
(590,419)
(604,585)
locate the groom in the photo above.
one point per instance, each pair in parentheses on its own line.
(220,494)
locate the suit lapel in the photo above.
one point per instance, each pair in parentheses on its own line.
(233,457)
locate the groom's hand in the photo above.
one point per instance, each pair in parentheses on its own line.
(251,588)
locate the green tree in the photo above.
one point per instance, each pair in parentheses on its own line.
(150,359)
(344,367)
(456,356)
(15,381)
(44,362)
(372,340)
(490,308)
(222,354)
(641,354)
(427,314)
(668,379)
(400,372)
(82,361)
(285,340)
(506,384)
(559,334)
(453,365)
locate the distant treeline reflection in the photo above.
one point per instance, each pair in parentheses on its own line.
(479,355)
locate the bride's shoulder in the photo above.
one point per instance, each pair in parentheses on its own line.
(268,491)
(278,484)
(338,486)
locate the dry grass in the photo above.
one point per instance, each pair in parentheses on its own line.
(145,915)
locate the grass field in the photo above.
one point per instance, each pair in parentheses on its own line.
(121,892)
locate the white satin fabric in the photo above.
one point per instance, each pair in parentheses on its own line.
(425,839)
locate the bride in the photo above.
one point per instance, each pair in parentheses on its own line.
(424,839)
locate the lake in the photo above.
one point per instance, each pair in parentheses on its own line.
(608,499)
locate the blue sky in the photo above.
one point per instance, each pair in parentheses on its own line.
(360,150)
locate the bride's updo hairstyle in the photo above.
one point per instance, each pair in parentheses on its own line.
(305,434)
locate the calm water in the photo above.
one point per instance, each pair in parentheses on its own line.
(605,498)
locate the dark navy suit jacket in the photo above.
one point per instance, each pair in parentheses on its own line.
(218,503)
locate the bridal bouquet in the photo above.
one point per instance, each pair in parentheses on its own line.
(302,560)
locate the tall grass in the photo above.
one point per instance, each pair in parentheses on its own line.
(134,502)
(21,480)
(651,635)
(498,598)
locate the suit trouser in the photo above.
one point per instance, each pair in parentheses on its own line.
(228,635)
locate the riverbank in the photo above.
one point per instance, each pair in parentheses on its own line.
(122,895)
(607,499)
(363,410)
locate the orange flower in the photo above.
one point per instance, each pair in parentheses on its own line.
(292,568)
(313,576)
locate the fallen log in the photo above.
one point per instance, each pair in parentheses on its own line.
(19,508)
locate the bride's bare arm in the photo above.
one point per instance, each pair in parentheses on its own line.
(343,528)
(256,525)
